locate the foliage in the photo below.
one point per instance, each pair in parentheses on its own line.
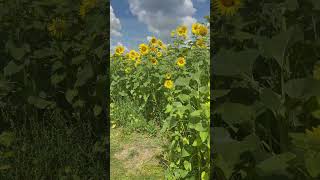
(266,91)
(170,84)
(52,62)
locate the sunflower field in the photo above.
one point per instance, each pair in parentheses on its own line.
(266,92)
(170,84)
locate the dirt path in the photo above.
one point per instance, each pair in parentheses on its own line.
(135,156)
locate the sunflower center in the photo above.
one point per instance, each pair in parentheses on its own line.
(227,3)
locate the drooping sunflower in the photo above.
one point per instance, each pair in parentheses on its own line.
(168,84)
(228,7)
(119,50)
(182,31)
(201,43)
(86,6)
(181,61)
(154,61)
(144,49)
(202,30)
(57,27)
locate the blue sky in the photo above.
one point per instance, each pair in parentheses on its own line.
(133,20)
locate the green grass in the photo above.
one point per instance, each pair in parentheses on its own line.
(135,156)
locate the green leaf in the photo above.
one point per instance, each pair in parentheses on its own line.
(12,68)
(84,75)
(292,4)
(43,53)
(4,167)
(271,99)
(235,113)
(56,78)
(184,153)
(196,113)
(312,160)
(316,114)
(71,94)
(97,110)
(182,81)
(203,136)
(78,59)
(187,165)
(302,88)
(316,4)
(40,103)
(7,138)
(276,164)
(217,93)
(184,97)
(230,63)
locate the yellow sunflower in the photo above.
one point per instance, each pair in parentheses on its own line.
(153,41)
(182,31)
(132,54)
(228,7)
(57,27)
(119,50)
(86,6)
(195,28)
(168,84)
(154,61)
(316,70)
(181,61)
(168,76)
(203,30)
(159,54)
(144,49)
(201,43)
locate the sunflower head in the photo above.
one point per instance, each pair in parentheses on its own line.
(200,43)
(168,76)
(203,30)
(182,31)
(168,84)
(144,49)
(133,55)
(119,50)
(57,27)
(181,61)
(195,28)
(154,61)
(153,41)
(228,7)
(159,54)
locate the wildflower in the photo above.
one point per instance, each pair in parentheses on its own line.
(57,27)
(119,50)
(168,84)
(144,49)
(228,7)
(181,61)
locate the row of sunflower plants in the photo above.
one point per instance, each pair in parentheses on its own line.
(266,89)
(171,81)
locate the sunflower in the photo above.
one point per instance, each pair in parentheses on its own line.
(228,7)
(200,43)
(154,61)
(153,49)
(168,84)
(159,54)
(153,41)
(316,70)
(86,6)
(132,54)
(168,76)
(119,50)
(144,49)
(195,28)
(202,30)
(181,61)
(182,31)
(57,27)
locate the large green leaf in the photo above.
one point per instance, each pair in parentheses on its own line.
(40,102)
(12,68)
(230,63)
(276,164)
(312,160)
(84,75)
(233,113)
(271,99)
(302,88)
(6,138)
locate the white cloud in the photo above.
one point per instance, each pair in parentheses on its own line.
(202,0)
(115,25)
(163,16)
